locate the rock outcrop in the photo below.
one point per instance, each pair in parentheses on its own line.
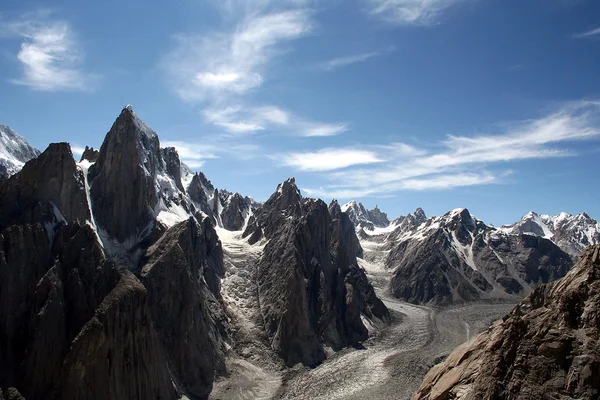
(179,299)
(546,348)
(311,291)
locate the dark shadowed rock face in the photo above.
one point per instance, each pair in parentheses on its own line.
(117,354)
(173,165)
(48,188)
(346,230)
(311,292)
(73,324)
(70,321)
(197,194)
(235,209)
(456,258)
(122,181)
(547,347)
(179,298)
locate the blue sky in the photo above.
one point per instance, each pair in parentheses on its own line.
(485,104)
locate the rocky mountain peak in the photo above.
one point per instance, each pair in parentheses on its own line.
(90,154)
(419,214)
(363,218)
(48,189)
(334,208)
(460,218)
(123,179)
(14,151)
(287,197)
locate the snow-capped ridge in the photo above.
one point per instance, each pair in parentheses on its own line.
(570,232)
(15,151)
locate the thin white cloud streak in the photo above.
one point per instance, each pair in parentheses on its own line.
(405,12)
(247,120)
(49,54)
(220,68)
(324,129)
(233,63)
(588,34)
(328,159)
(439,182)
(196,154)
(340,62)
(409,168)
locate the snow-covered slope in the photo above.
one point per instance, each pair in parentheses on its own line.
(14,151)
(457,257)
(572,233)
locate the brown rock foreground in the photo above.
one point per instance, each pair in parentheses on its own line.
(546,348)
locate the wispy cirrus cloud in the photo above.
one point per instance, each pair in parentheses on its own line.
(340,62)
(344,61)
(245,120)
(205,68)
(219,70)
(455,161)
(414,12)
(195,153)
(49,53)
(592,33)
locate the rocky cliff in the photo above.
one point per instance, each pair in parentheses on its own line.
(546,348)
(80,320)
(311,291)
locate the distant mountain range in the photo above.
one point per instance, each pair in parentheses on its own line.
(457,257)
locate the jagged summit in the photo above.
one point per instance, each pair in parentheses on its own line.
(363,218)
(572,233)
(15,151)
(288,188)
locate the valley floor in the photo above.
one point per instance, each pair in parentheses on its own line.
(389,365)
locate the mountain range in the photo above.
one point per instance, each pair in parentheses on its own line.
(457,257)
(127,275)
